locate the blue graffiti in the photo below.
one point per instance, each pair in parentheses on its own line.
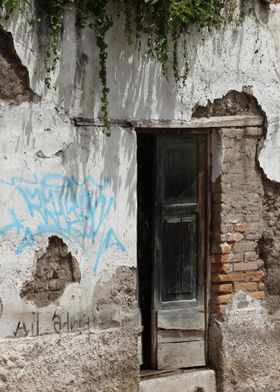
(64,206)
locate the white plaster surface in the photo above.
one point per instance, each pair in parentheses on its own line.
(45,210)
(39,139)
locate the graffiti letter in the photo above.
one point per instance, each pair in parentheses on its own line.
(110,240)
(57,323)
(21,327)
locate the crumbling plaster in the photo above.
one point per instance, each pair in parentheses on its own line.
(24,175)
(220,61)
(40,138)
(244,347)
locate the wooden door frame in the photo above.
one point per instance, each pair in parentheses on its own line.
(207,266)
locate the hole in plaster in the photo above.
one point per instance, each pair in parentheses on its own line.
(14,76)
(55,269)
(232,104)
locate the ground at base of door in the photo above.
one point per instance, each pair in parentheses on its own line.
(195,380)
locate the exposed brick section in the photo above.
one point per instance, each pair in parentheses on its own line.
(237,225)
(221,268)
(222,288)
(221,299)
(250,286)
(251,265)
(217,308)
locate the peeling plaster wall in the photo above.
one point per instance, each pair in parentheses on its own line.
(81,188)
(44,155)
(230,59)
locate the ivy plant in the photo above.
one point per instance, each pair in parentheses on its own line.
(162,22)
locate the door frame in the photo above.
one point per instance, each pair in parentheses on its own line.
(207,267)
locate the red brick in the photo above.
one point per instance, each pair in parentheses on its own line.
(222,288)
(254,276)
(217,309)
(258,295)
(251,286)
(221,268)
(222,299)
(221,258)
(251,265)
(233,277)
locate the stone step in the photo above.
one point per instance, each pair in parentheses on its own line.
(194,380)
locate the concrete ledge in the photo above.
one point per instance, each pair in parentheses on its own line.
(196,380)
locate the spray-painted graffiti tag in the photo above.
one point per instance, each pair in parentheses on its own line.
(76,210)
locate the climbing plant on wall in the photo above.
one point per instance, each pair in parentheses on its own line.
(162,22)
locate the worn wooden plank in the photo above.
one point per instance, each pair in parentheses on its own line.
(175,336)
(181,355)
(184,319)
(203,122)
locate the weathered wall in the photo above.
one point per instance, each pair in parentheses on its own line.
(67,237)
(239,324)
(79,186)
(237,219)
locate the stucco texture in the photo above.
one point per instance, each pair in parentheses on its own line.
(244,348)
(87,362)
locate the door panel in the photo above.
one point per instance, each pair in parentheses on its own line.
(190,319)
(186,353)
(179,257)
(179,268)
(175,336)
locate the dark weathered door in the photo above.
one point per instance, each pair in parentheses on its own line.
(179,263)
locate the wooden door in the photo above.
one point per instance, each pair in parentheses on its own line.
(178,313)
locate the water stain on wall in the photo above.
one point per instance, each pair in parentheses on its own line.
(55,269)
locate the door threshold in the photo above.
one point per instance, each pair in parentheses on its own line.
(181,380)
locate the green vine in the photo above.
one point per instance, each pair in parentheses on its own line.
(163,22)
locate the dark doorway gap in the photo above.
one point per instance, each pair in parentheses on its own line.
(145,186)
